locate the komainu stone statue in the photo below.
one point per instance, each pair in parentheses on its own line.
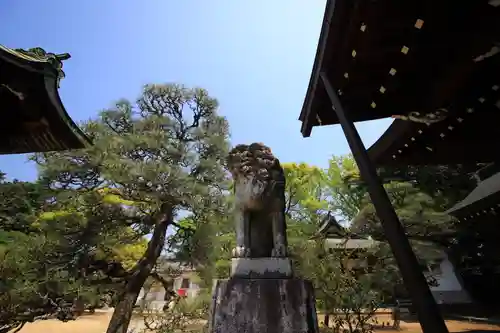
(259,187)
(261,295)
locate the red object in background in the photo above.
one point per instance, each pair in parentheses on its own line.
(181,292)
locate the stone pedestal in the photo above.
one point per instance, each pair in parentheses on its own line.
(266,305)
(261,268)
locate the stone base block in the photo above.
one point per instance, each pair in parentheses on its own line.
(274,268)
(263,306)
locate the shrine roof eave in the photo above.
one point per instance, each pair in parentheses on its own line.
(387,58)
(483,200)
(463,132)
(62,132)
(465,138)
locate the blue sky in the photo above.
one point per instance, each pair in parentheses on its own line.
(254,56)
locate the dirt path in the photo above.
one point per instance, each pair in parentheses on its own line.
(98,323)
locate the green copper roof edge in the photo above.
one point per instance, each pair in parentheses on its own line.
(36,59)
(21,55)
(28,63)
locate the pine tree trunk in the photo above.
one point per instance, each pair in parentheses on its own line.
(125,305)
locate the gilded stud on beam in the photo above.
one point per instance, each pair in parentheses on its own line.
(363,27)
(470,110)
(382,89)
(392,71)
(354,53)
(319,120)
(373,105)
(405,50)
(419,24)
(346,75)
(450,128)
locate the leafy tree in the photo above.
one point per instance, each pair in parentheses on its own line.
(20,203)
(447,184)
(346,193)
(416,211)
(305,192)
(180,317)
(63,259)
(350,283)
(471,246)
(32,285)
(22,251)
(312,192)
(305,195)
(208,245)
(164,153)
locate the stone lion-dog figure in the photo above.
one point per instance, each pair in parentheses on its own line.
(259,188)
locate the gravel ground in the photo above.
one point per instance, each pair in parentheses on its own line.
(98,322)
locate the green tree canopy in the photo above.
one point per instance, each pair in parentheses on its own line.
(57,255)
(416,211)
(165,153)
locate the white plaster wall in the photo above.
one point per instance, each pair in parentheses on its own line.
(193,289)
(449,290)
(158,294)
(447,280)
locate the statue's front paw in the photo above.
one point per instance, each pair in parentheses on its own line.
(279,252)
(241,252)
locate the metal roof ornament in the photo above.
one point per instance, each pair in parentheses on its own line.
(40,55)
(493,51)
(428,118)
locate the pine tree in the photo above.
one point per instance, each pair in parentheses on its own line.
(165,154)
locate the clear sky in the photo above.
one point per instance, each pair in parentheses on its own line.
(254,56)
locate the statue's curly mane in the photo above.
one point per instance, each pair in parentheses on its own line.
(259,193)
(253,161)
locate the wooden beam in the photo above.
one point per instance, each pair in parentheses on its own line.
(428,312)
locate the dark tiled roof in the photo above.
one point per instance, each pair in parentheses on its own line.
(33,117)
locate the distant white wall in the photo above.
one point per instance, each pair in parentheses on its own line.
(446,277)
(449,290)
(155,297)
